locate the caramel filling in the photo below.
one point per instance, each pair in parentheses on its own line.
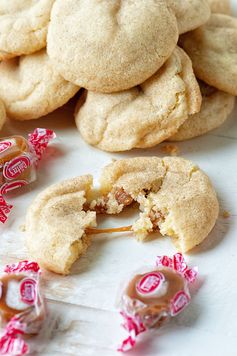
(120,196)
(156,217)
(123,197)
(101,207)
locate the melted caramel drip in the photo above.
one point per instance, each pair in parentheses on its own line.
(91,231)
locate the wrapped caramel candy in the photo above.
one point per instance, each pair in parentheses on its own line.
(22,310)
(154,295)
(18,161)
(16,168)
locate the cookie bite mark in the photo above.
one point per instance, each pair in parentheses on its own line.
(56,224)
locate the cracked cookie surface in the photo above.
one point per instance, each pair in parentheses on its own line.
(190,14)
(56,223)
(30,87)
(108,46)
(213,51)
(215,109)
(142,116)
(175,197)
(23,26)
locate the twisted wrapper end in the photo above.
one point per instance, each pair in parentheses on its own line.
(5,210)
(39,140)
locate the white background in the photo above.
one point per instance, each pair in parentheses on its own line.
(84,302)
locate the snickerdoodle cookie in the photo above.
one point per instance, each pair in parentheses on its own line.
(175,197)
(23,26)
(213,51)
(108,46)
(30,87)
(142,116)
(56,223)
(215,109)
(190,14)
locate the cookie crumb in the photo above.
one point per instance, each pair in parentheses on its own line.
(22,228)
(172,150)
(226,214)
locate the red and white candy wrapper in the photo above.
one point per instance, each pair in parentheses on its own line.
(18,161)
(39,140)
(154,295)
(5,209)
(22,308)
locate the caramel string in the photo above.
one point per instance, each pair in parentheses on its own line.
(91,231)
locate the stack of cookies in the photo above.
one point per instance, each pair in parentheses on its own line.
(150,70)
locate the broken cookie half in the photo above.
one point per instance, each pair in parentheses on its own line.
(56,223)
(175,197)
